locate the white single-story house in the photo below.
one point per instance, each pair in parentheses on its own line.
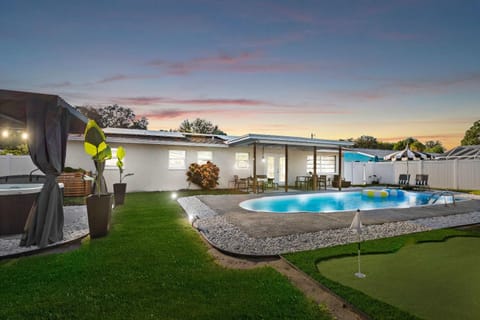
(160,159)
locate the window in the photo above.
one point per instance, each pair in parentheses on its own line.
(112,163)
(203,157)
(325,164)
(176,159)
(241,160)
(328,164)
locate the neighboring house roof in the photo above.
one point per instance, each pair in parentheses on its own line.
(461,152)
(118,135)
(380,153)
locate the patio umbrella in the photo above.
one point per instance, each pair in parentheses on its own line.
(406,155)
(357,227)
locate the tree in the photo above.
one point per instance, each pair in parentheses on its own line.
(91,113)
(367,142)
(417,146)
(434,147)
(472,135)
(121,117)
(114,117)
(200,126)
(402,144)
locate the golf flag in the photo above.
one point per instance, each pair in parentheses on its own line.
(357,223)
(357,226)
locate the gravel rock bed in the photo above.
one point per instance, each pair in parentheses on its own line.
(226,236)
(75,226)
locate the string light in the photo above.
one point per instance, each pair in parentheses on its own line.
(14,133)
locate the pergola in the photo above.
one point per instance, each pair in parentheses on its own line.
(314,145)
(48,119)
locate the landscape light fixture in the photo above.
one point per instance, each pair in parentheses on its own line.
(5,133)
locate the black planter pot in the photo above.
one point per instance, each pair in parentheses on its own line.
(119,190)
(99,209)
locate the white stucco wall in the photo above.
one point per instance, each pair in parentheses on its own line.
(149,163)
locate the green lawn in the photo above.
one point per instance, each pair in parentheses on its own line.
(151,266)
(431,275)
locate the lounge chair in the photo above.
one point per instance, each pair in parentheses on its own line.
(404,180)
(421,181)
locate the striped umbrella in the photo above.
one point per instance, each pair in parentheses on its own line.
(407,154)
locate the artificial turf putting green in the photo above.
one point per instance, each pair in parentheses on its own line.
(153,265)
(438,280)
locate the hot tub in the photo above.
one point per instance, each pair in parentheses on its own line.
(15,203)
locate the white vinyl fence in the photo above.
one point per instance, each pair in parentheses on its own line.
(13,165)
(445,174)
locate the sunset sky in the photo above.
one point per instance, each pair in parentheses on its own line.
(337,69)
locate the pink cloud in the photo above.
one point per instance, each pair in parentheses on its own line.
(247,62)
(62,84)
(162,114)
(165,100)
(117,77)
(123,77)
(392,87)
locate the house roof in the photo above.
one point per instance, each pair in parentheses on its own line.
(252,138)
(118,135)
(461,152)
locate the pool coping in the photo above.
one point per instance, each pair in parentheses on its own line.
(233,229)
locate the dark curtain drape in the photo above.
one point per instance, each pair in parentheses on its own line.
(48,124)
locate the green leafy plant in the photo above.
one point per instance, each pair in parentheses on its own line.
(120,155)
(205,175)
(95,145)
(20,150)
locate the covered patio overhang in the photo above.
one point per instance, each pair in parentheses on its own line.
(287,142)
(47,119)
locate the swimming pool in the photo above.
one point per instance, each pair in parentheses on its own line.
(367,199)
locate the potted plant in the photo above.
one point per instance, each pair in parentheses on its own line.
(120,188)
(99,204)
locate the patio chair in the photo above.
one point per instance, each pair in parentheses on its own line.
(403,180)
(300,182)
(251,185)
(234,182)
(271,184)
(336,182)
(421,181)
(322,181)
(242,184)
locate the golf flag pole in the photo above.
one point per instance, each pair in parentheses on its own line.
(357,226)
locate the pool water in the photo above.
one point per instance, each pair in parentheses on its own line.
(342,201)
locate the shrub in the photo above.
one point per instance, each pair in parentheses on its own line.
(205,175)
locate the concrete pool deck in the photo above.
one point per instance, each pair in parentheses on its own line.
(230,228)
